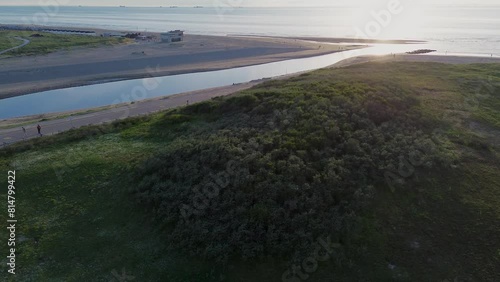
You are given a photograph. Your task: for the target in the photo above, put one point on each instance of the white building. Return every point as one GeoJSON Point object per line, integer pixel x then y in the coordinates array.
{"type": "Point", "coordinates": [70, 32]}
{"type": "Point", "coordinates": [172, 36]}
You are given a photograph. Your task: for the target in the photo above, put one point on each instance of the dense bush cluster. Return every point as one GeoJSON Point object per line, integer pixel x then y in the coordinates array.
{"type": "Point", "coordinates": [291, 160]}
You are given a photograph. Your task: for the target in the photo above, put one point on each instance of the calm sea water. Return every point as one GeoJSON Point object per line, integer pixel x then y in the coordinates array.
{"type": "Point", "coordinates": [452, 29]}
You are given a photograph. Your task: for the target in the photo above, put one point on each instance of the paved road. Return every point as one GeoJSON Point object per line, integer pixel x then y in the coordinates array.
{"type": "Point", "coordinates": [26, 42]}
{"type": "Point", "coordinates": [13, 135]}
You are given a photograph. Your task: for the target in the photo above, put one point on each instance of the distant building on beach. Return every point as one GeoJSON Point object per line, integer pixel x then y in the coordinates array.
{"type": "Point", "coordinates": [69, 31]}
{"type": "Point", "coordinates": [18, 27]}
{"type": "Point", "coordinates": [49, 30]}
{"type": "Point", "coordinates": [113, 34]}
{"type": "Point", "coordinates": [172, 36]}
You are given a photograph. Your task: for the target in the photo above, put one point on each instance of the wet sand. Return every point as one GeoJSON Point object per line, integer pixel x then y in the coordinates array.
{"type": "Point", "coordinates": [149, 105]}
{"type": "Point", "coordinates": [84, 66]}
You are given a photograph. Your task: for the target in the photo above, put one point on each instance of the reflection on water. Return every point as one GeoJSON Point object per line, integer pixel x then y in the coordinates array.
{"type": "Point", "coordinates": [92, 96]}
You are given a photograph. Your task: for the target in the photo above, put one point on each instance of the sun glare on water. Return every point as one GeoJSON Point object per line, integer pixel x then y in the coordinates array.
{"type": "Point", "coordinates": [392, 19]}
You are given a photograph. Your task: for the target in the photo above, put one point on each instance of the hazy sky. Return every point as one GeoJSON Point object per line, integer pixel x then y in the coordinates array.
{"type": "Point", "coordinates": [260, 3]}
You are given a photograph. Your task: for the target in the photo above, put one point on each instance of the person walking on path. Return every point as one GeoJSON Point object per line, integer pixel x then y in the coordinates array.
{"type": "Point", "coordinates": [39, 130]}
{"type": "Point", "coordinates": [24, 132]}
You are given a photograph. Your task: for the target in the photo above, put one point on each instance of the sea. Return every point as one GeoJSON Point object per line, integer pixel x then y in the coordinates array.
{"type": "Point", "coordinates": [448, 29]}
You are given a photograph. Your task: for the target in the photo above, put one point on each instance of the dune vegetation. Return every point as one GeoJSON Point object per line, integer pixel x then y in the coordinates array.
{"type": "Point", "coordinates": [44, 43]}
{"type": "Point", "coordinates": [373, 172]}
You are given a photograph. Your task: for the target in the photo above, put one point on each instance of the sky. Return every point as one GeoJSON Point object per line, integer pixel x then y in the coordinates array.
{"type": "Point", "coordinates": [243, 3]}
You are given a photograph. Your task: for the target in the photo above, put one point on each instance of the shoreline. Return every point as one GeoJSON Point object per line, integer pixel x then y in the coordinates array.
{"type": "Point", "coordinates": [12, 124]}
{"type": "Point", "coordinates": [343, 39]}
{"type": "Point", "coordinates": [26, 75]}
{"type": "Point", "coordinates": [102, 79]}
{"type": "Point", "coordinates": [9, 123]}
{"type": "Point", "coordinates": [305, 38]}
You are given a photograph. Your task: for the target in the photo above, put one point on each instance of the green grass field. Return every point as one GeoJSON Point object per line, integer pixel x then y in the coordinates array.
{"type": "Point", "coordinates": [8, 42]}
{"type": "Point", "coordinates": [49, 42]}
{"type": "Point", "coordinates": [87, 208]}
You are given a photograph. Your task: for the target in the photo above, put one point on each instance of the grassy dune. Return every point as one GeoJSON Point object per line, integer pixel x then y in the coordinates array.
{"type": "Point", "coordinates": [8, 42]}
{"type": "Point", "coordinates": [49, 42]}
{"type": "Point", "coordinates": [317, 155]}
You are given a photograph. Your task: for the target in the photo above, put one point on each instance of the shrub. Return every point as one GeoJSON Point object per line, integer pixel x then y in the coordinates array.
{"type": "Point", "coordinates": [267, 182]}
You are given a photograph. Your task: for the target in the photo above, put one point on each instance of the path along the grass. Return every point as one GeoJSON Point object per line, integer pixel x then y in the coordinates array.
{"type": "Point", "coordinates": [25, 42]}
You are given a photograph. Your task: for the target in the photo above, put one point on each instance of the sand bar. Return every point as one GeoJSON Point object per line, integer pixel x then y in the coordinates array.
{"type": "Point", "coordinates": [54, 123]}
{"type": "Point", "coordinates": [84, 66]}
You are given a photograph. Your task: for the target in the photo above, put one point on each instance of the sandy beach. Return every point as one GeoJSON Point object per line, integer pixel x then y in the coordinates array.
{"type": "Point", "coordinates": [84, 66]}
{"type": "Point", "coordinates": [160, 103]}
